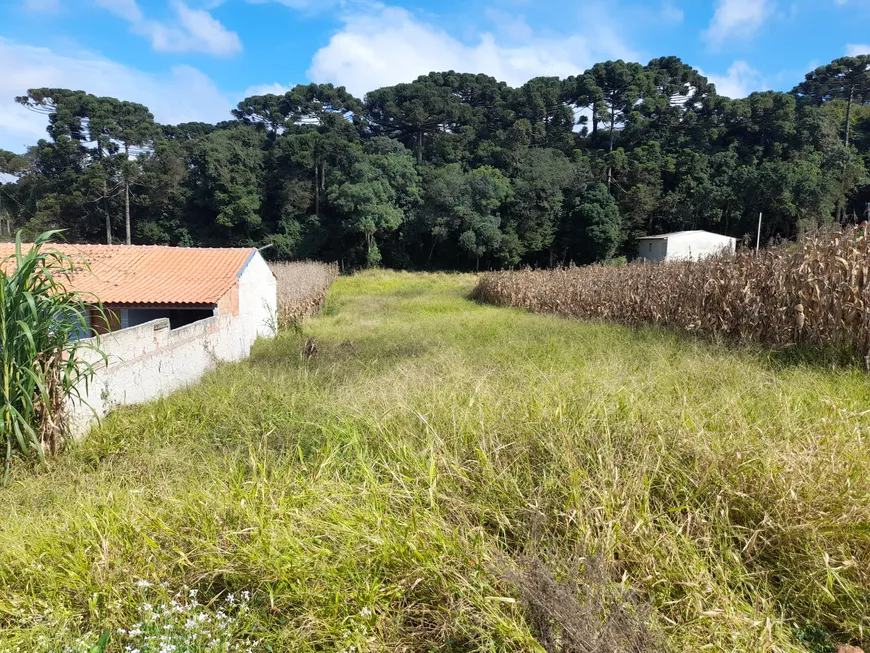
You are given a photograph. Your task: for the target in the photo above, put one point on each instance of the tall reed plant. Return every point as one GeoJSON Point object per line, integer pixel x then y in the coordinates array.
{"type": "Point", "coordinates": [41, 324]}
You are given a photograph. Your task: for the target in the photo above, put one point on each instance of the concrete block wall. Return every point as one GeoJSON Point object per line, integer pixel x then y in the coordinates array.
{"type": "Point", "coordinates": [150, 361]}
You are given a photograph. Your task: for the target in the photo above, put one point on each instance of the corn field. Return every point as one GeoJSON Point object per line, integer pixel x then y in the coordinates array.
{"type": "Point", "coordinates": [815, 295]}
{"type": "Point", "coordinates": [302, 288]}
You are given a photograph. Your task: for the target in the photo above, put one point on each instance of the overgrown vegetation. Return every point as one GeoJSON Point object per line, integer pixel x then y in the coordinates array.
{"type": "Point", "coordinates": [439, 467]}
{"type": "Point", "coordinates": [40, 323]}
{"type": "Point", "coordinates": [302, 288]}
{"type": "Point", "coordinates": [814, 295]}
{"type": "Point", "coordinates": [456, 170]}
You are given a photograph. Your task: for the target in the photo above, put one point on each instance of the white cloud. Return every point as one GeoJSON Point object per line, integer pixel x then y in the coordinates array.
{"type": "Point", "coordinates": [42, 6]}
{"type": "Point", "coordinates": [181, 94]}
{"type": "Point", "coordinates": [266, 89]}
{"type": "Point", "coordinates": [300, 4]}
{"type": "Point", "coordinates": [672, 13]}
{"type": "Point", "coordinates": [126, 9]}
{"type": "Point", "coordinates": [740, 80]}
{"type": "Point", "coordinates": [738, 19]}
{"type": "Point", "coordinates": [511, 26]}
{"type": "Point", "coordinates": [389, 45]}
{"type": "Point", "coordinates": [854, 49]}
{"type": "Point", "coordinates": [194, 30]}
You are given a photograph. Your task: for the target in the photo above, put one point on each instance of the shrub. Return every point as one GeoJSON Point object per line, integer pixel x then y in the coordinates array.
{"type": "Point", "coordinates": [587, 611]}
{"type": "Point", "coordinates": [816, 294]}
{"type": "Point", "coordinates": [40, 322]}
{"type": "Point", "coordinates": [302, 288]}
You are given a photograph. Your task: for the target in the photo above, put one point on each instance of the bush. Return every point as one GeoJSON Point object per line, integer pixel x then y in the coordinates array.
{"type": "Point", "coordinates": [40, 322]}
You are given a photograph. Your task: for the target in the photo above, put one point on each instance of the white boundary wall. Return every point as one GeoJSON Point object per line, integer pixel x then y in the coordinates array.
{"type": "Point", "coordinates": [150, 361]}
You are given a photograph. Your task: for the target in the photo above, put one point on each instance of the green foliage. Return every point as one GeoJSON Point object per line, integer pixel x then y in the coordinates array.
{"type": "Point", "coordinates": [40, 327]}
{"type": "Point", "coordinates": [374, 190]}
{"type": "Point", "coordinates": [373, 256]}
{"type": "Point", "coordinates": [595, 225]}
{"type": "Point", "coordinates": [319, 173]}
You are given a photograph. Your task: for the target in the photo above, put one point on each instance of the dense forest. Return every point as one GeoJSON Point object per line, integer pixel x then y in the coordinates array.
{"type": "Point", "coordinates": [455, 170]}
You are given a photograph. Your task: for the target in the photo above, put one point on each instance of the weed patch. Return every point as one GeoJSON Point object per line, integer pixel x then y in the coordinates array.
{"type": "Point", "coordinates": [394, 491]}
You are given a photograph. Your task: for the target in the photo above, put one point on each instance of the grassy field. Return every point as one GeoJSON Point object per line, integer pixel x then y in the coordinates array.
{"type": "Point", "coordinates": [444, 476]}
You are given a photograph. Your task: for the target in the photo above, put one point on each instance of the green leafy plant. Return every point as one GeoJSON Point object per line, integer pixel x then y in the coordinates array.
{"type": "Point", "coordinates": [41, 324]}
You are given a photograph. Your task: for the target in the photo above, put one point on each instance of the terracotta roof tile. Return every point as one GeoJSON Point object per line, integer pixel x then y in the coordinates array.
{"type": "Point", "coordinates": [146, 274]}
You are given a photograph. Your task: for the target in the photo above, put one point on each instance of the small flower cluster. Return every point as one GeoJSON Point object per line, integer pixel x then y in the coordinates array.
{"type": "Point", "coordinates": [166, 623]}
{"type": "Point", "coordinates": [183, 625]}
{"type": "Point", "coordinates": [356, 638]}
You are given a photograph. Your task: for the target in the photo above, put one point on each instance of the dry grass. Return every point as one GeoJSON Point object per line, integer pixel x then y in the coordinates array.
{"type": "Point", "coordinates": [817, 295]}
{"type": "Point", "coordinates": [438, 477]}
{"type": "Point", "coordinates": [587, 612]}
{"type": "Point", "coordinates": [302, 287]}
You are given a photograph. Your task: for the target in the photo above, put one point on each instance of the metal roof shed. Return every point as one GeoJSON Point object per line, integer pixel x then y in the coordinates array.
{"type": "Point", "coordinates": [684, 246]}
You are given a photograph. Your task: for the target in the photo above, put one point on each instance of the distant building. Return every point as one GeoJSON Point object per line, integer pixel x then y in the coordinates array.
{"type": "Point", "coordinates": [684, 246]}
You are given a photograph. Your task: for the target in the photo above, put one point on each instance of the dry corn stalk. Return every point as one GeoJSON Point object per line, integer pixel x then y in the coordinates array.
{"type": "Point", "coordinates": [302, 288]}
{"type": "Point", "coordinates": [815, 295]}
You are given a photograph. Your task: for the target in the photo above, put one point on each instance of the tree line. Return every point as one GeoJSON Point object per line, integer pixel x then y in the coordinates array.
{"type": "Point", "coordinates": [455, 170]}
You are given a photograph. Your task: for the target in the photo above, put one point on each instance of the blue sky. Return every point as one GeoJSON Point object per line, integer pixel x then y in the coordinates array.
{"type": "Point", "coordinates": [195, 59]}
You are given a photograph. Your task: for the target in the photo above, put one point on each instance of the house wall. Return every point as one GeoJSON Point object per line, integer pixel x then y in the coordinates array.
{"type": "Point", "coordinates": [229, 303]}
{"type": "Point", "coordinates": [258, 298]}
{"type": "Point", "coordinates": [151, 360]}
{"type": "Point", "coordinates": [696, 246]}
{"type": "Point", "coordinates": [652, 249]}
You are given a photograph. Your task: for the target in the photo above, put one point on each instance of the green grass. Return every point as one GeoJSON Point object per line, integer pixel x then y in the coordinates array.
{"type": "Point", "coordinates": [430, 448]}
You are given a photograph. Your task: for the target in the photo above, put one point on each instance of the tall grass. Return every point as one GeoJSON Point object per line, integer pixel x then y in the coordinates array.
{"type": "Point", "coordinates": [302, 287]}
{"type": "Point", "coordinates": [39, 327]}
{"type": "Point", "coordinates": [816, 295]}
{"type": "Point", "coordinates": [455, 477]}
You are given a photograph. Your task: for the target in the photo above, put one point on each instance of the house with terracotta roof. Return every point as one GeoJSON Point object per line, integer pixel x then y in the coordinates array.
{"type": "Point", "coordinates": [172, 314]}
{"type": "Point", "coordinates": [141, 283]}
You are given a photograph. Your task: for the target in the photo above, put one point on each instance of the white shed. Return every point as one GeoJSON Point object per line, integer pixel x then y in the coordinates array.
{"type": "Point", "coordinates": [684, 246]}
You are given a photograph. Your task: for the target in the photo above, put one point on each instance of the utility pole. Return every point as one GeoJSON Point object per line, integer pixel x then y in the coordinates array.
{"type": "Point", "coordinates": [758, 238]}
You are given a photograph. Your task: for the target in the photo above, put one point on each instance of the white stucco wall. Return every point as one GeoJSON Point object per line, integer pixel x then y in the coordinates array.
{"type": "Point", "coordinates": [258, 298]}
{"type": "Point", "coordinates": [698, 245]}
{"type": "Point", "coordinates": [149, 361]}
